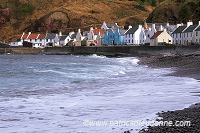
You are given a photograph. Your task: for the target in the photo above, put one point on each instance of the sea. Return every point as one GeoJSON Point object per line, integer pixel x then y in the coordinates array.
{"type": "Point", "coordinates": [86, 94]}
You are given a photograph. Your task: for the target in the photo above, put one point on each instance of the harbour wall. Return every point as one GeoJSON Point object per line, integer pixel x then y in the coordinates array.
{"type": "Point", "coordinates": [105, 50]}
{"type": "Point", "coordinates": [123, 50]}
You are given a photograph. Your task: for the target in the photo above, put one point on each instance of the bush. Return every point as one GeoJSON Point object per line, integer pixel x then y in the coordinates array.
{"type": "Point", "coordinates": [25, 9]}
{"type": "Point", "coordinates": [94, 12]}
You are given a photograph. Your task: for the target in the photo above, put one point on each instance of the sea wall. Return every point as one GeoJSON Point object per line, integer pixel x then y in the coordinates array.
{"type": "Point", "coordinates": [105, 50]}
{"type": "Point", "coordinates": [21, 50]}
{"type": "Point", "coordinates": [120, 50]}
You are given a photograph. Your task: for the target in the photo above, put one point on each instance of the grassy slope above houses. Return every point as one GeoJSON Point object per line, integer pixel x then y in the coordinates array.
{"type": "Point", "coordinates": [53, 15]}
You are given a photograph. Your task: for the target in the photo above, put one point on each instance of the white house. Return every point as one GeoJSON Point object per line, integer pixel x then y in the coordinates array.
{"type": "Point", "coordinates": [97, 35]}
{"type": "Point", "coordinates": [64, 40]}
{"type": "Point", "coordinates": [37, 40]}
{"type": "Point", "coordinates": [196, 38]}
{"type": "Point", "coordinates": [91, 35]}
{"type": "Point", "coordinates": [15, 44]}
{"type": "Point", "coordinates": [161, 38]}
{"type": "Point", "coordinates": [79, 36]}
{"type": "Point", "coordinates": [109, 26]}
{"type": "Point", "coordinates": [142, 37]}
{"type": "Point", "coordinates": [150, 32]}
{"type": "Point", "coordinates": [187, 34]}
{"type": "Point", "coordinates": [52, 40]}
{"type": "Point", "coordinates": [132, 35]}
{"type": "Point", "coordinates": [177, 35]}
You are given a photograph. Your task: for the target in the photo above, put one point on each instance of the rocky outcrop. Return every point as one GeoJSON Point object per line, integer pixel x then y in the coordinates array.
{"type": "Point", "coordinates": [51, 22]}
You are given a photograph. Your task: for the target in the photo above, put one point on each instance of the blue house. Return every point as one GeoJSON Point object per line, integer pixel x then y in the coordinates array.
{"type": "Point", "coordinates": [114, 38]}
{"type": "Point", "coordinates": [119, 37]}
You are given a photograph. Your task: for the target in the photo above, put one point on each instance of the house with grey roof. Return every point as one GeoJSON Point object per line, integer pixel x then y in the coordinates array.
{"type": "Point", "coordinates": [196, 37]}
{"type": "Point", "coordinates": [132, 35]}
{"type": "Point", "coordinates": [64, 40]}
{"type": "Point", "coordinates": [52, 40]}
{"type": "Point", "coordinates": [187, 35]}
{"type": "Point", "coordinates": [177, 35]}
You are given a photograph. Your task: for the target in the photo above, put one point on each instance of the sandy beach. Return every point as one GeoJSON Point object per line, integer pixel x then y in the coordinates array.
{"type": "Point", "coordinates": [186, 65]}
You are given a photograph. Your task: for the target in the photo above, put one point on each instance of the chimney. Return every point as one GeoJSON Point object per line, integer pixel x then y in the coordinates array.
{"type": "Point", "coordinates": [145, 24]}
{"type": "Point", "coordinates": [29, 33]}
{"type": "Point", "coordinates": [91, 29]}
{"type": "Point", "coordinates": [129, 27]}
{"type": "Point", "coordinates": [189, 23]}
{"type": "Point", "coordinates": [60, 33]}
{"type": "Point", "coordinates": [199, 22]}
{"type": "Point", "coordinates": [79, 30]}
{"type": "Point", "coordinates": [165, 30]}
{"type": "Point", "coordinates": [140, 27]}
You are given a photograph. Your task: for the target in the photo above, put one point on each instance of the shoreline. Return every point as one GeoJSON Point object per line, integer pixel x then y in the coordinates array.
{"type": "Point", "coordinates": [185, 65]}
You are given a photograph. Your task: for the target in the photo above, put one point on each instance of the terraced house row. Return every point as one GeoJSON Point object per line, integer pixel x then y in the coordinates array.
{"type": "Point", "coordinates": [152, 34]}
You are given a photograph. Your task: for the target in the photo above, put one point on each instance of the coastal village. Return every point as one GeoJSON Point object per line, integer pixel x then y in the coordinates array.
{"type": "Point", "coordinates": [150, 34]}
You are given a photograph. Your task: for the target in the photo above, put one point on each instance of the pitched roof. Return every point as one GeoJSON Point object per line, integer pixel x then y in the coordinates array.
{"type": "Point", "coordinates": [179, 29]}
{"type": "Point", "coordinates": [33, 36]}
{"type": "Point", "coordinates": [41, 36]}
{"type": "Point", "coordinates": [50, 36]}
{"type": "Point", "coordinates": [198, 29]}
{"type": "Point", "coordinates": [111, 25]}
{"type": "Point", "coordinates": [156, 34]}
{"type": "Point", "coordinates": [96, 31]}
{"type": "Point", "coordinates": [24, 36]}
{"type": "Point", "coordinates": [62, 38]}
{"type": "Point", "coordinates": [132, 30]}
{"type": "Point", "coordinates": [190, 28]}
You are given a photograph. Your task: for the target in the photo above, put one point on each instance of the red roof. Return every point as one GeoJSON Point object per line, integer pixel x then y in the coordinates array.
{"type": "Point", "coordinates": [24, 36]}
{"type": "Point", "coordinates": [156, 34]}
{"type": "Point", "coordinates": [96, 31]}
{"type": "Point", "coordinates": [41, 36]}
{"type": "Point", "coordinates": [33, 36]}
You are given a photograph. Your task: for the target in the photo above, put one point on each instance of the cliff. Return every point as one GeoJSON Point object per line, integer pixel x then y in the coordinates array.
{"type": "Point", "coordinates": [17, 16]}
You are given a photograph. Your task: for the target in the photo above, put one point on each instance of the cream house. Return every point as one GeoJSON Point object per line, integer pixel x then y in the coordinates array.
{"type": "Point", "coordinates": [160, 38]}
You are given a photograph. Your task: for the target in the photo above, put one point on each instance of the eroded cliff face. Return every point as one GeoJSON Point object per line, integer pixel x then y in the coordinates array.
{"type": "Point", "coordinates": [55, 21]}
{"type": "Point", "coordinates": [54, 15]}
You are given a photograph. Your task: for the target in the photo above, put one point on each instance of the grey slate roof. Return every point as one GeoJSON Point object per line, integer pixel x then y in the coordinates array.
{"type": "Point", "coordinates": [50, 36]}
{"type": "Point", "coordinates": [179, 29]}
{"type": "Point", "coordinates": [111, 25]}
{"type": "Point", "coordinates": [190, 28]}
{"type": "Point", "coordinates": [158, 24]}
{"type": "Point", "coordinates": [131, 30]}
{"type": "Point", "coordinates": [198, 29]}
{"type": "Point", "coordinates": [62, 38]}
{"type": "Point", "coordinates": [73, 36]}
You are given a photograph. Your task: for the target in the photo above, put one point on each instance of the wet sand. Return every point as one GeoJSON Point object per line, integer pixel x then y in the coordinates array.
{"type": "Point", "coordinates": [187, 65]}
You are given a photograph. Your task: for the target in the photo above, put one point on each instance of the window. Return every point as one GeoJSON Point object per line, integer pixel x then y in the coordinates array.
{"type": "Point", "coordinates": [40, 40]}
{"type": "Point", "coordinates": [30, 39]}
{"type": "Point", "coordinates": [35, 40]}
{"type": "Point", "coordinates": [197, 33]}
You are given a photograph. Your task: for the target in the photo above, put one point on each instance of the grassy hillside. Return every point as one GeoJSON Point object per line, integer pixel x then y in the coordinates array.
{"type": "Point", "coordinates": [54, 15]}
{"type": "Point", "coordinates": [176, 11]}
